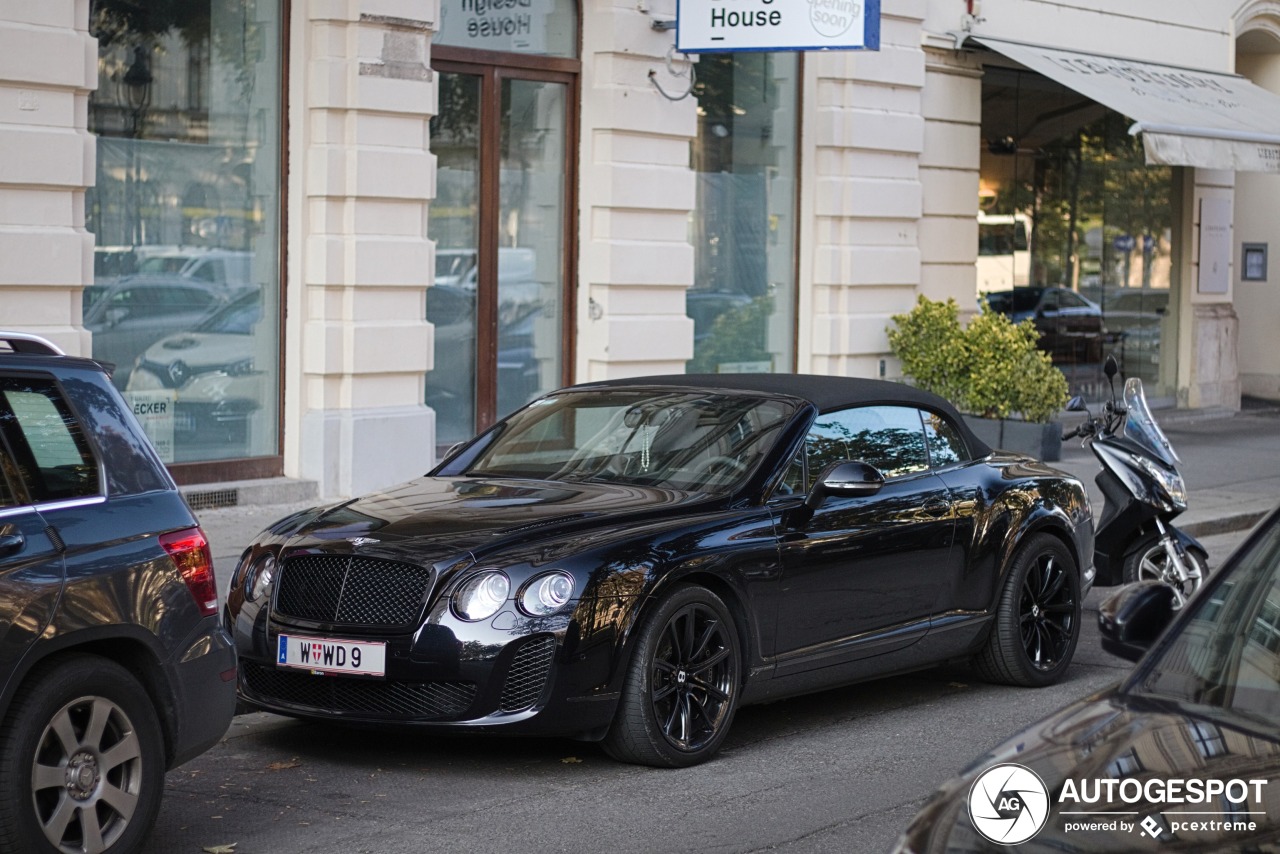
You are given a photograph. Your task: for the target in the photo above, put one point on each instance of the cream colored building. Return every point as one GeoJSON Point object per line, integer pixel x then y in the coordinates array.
{"type": "Point", "coordinates": [428, 218]}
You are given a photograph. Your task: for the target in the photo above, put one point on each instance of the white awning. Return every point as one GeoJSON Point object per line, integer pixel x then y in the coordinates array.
{"type": "Point", "coordinates": [1187, 117]}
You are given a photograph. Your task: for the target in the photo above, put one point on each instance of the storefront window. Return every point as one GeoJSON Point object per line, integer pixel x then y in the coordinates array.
{"type": "Point", "coordinates": [1075, 231]}
{"type": "Point", "coordinates": [185, 214]}
{"type": "Point", "coordinates": [743, 297]}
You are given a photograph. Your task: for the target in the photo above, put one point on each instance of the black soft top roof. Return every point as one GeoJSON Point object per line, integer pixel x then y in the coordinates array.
{"type": "Point", "coordinates": [825, 393]}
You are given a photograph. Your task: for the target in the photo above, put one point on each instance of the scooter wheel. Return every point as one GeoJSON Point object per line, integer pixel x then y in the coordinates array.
{"type": "Point", "coordinates": [1147, 560]}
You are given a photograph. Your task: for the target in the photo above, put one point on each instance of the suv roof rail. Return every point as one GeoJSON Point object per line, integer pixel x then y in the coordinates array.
{"type": "Point", "coordinates": [25, 342]}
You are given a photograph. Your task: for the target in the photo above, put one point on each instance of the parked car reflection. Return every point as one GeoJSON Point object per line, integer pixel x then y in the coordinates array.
{"type": "Point", "coordinates": [213, 375]}
{"type": "Point", "coordinates": [1070, 326]}
{"type": "Point", "coordinates": [128, 316]}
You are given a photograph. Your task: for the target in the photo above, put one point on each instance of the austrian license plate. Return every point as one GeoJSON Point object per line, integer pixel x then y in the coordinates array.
{"type": "Point", "coordinates": [330, 655]}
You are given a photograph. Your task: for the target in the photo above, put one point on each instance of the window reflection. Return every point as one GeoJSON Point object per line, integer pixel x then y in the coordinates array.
{"type": "Point", "coordinates": [184, 211]}
{"type": "Point", "coordinates": [743, 294]}
{"type": "Point", "coordinates": [1070, 211]}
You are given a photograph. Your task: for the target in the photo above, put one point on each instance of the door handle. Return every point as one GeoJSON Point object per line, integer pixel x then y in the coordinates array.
{"type": "Point", "coordinates": [11, 543]}
{"type": "Point", "coordinates": [936, 507]}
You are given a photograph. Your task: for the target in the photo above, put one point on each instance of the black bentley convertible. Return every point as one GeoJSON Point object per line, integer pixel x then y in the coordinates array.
{"type": "Point", "coordinates": [631, 561]}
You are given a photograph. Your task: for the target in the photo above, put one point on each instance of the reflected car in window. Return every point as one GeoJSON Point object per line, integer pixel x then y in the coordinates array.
{"type": "Point", "coordinates": [1173, 751]}
{"type": "Point", "coordinates": [1070, 326]}
{"type": "Point", "coordinates": [129, 315]}
{"type": "Point", "coordinates": [632, 561]}
{"type": "Point", "coordinates": [211, 373]}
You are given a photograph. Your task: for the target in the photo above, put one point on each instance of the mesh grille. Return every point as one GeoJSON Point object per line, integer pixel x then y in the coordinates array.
{"type": "Point", "coordinates": [417, 700]}
{"type": "Point", "coordinates": [528, 674]}
{"type": "Point", "coordinates": [352, 590]}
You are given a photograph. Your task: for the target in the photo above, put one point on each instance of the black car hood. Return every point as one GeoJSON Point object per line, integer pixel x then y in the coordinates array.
{"type": "Point", "coordinates": [1115, 736]}
{"type": "Point", "coordinates": [469, 514]}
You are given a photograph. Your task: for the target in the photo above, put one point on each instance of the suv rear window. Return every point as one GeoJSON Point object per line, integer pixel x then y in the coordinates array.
{"type": "Point", "coordinates": [52, 456]}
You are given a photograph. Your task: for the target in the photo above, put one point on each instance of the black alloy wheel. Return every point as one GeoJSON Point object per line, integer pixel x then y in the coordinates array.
{"type": "Point", "coordinates": [1037, 622]}
{"type": "Point", "coordinates": [81, 761]}
{"type": "Point", "coordinates": [682, 685]}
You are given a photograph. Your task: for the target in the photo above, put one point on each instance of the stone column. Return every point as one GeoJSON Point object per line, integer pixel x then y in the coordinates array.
{"type": "Point", "coordinates": [861, 196]}
{"type": "Point", "coordinates": [360, 260]}
{"type": "Point", "coordinates": [636, 193]}
{"type": "Point", "coordinates": [48, 66]}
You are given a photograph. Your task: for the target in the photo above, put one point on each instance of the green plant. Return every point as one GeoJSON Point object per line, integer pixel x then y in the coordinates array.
{"type": "Point", "coordinates": [992, 368]}
{"type": "Point", "coordinates": [931, 345]}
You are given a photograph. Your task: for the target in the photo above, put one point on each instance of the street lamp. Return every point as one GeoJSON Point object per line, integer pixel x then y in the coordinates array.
{"type": "Point", "coordinates": [137, 81]}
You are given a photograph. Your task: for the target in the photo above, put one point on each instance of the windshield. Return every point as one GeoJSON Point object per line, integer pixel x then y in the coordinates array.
{"type": "Point", "coordinates": [1227, 654]}
{"type": "Point", "coordinates": [686, 440]}
{"type": "Point", "coordinates": [1140, 425]}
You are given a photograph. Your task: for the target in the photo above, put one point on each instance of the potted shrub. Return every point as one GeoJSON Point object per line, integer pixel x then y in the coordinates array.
{"type": "Point", "coordinates": [992, 370]}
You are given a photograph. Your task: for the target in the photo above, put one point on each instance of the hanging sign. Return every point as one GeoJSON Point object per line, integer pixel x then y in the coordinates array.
{"type": "Point", "coordinates": [707, 26]}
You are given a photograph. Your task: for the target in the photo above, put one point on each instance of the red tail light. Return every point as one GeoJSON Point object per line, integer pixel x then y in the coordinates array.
{"type": "Point", "coordinates": [190, 552]}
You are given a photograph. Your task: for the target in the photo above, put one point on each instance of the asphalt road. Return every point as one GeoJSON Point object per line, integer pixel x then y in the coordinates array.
{"type": "Point", "coordinates": [843, 770]}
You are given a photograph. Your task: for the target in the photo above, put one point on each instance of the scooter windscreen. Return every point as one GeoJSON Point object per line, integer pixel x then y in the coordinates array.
{"type": "Point", "coordinates": [1140, 425]}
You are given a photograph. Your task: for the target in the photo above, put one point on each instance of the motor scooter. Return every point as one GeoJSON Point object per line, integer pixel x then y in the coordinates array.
{"type": "Point", "coordinates": [1143, 491]}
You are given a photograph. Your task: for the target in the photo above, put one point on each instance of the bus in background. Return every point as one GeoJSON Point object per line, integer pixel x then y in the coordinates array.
{"type": "Point", "coordinates": [1004, 251]}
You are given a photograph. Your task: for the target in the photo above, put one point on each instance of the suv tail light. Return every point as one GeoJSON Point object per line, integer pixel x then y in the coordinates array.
{"type": "Point", "coordinates": [190, 552]}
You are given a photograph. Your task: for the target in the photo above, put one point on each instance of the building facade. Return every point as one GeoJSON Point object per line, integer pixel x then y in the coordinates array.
{"type": "Point", "coordinates": [329, 238]}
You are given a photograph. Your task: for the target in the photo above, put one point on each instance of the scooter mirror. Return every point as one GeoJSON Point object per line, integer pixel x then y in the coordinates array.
{"type": "Point", "coordinates": [1110, 368]}
{"type": "Point", "coordinates": [1077, 404]}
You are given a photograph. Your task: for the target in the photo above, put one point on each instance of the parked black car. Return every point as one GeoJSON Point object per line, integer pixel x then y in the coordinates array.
{"type": "Point", "coordinates": [113, 664]}
{"type": "Point", "coordinates": [1182, 755]}
{"type": "Point", "coordinates": [633, 560]}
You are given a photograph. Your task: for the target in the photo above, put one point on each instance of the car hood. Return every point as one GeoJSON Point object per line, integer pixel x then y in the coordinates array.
{"type": "Point", "coordinates": [1115, 736]}
{"type": "Point", "coordinates": [477, 515]}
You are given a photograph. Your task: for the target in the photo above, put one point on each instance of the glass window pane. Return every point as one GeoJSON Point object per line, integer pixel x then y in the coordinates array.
{"type": "Point", "coordinates": [53, 457]}
{"type": "Point", "coordinates": [742, 301]}
{"type": "Point", "coordinates": [185, 212]}
{"type": "Point", "coordinates": [454, 215]}
{"type": "Point", "coordinates": [945, 443]}
{"type": "Point", "coordinates": [530, 241]}
{"type": "Point", "coordinates": [1099, 225]}
{"type": "Point", "coordinates": [890, 438]}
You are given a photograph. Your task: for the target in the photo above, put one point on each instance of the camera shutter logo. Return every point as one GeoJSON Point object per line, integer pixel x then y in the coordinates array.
{"type": "Point", "coordinates": [1008, 804]}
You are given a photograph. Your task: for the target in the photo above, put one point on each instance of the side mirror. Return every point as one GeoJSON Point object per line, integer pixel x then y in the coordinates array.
{"type": "Point", "coordinates": [1133, 617]}
{"type": "Point", "coordinates": [113, 316]}
{"type": "Point", "coordinates": [1077, 404]}
{"type": "Point", "coordinates": [846, 480]}
{"type": "Point", "coordinates": [1111, 367]}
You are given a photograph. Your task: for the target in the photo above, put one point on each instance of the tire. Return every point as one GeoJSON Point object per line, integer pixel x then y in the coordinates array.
{"type": "Point", "coordinates": [92, 728]}
{"type": "Point", "coordinates": [1037, 621]}
{"type": "Point", "coordinates": [1146, 560]}
{"type": "Point", "coordinates": [682, 686]}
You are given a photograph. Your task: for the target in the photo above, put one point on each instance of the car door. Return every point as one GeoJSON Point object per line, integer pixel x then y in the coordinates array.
{"type": "Point", "coordinates": [863, 575]}
{"type": "Point", "coordinates": [31, 564]}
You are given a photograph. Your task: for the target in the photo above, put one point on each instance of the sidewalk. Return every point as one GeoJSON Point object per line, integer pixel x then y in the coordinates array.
{"type": "Point", "coordinates": [1231, 463]}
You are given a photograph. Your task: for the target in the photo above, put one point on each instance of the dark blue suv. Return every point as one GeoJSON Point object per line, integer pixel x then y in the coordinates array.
{"type": "Point", "coordinates": [113, 664]}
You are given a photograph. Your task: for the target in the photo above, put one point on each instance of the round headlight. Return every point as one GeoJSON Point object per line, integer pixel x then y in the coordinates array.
{"type": "Point", "coordinates": [259, 577]}
{"type": "Point", "coordinates": [481, 596]}
{"type": "Point", "coordinates": [547, 594]}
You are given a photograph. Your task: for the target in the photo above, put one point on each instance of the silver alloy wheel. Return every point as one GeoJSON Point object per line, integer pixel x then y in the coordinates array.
{"type": "Point", "coordinates": [1154, 565]}
{"type": "Point", "coordinates": [86, 775]}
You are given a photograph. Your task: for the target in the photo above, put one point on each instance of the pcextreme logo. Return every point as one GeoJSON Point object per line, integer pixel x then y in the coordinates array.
{"type": "Point", "coordinates": [1009, 804]}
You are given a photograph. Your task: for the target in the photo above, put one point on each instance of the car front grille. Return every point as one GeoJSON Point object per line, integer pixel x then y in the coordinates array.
{"type": "Point", "coordinates": [528, 674]}
{"type": "Point", "coordinates": [398, 700]}
{"type": "Point", "coordinates": [352, 590]}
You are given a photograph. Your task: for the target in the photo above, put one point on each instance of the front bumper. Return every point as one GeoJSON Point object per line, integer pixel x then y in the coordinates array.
{"type": "Point", "coordinates": [510, 674]}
